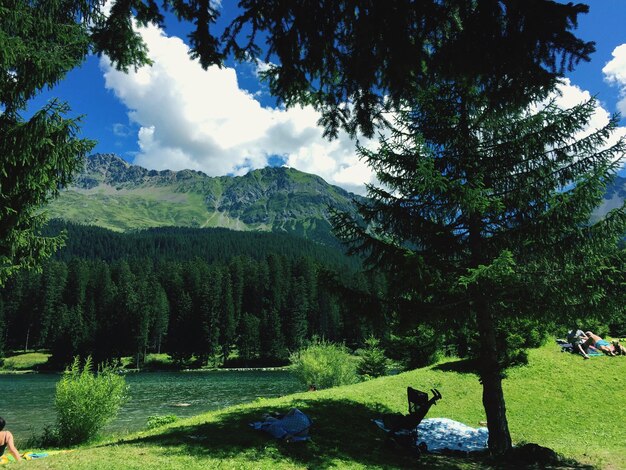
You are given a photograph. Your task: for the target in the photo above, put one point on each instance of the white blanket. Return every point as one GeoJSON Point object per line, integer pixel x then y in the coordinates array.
{"type": "Point", "coordinates": [443, 433]}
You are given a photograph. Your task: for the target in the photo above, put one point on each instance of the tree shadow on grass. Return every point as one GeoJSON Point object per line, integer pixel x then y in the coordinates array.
{"type": "Point", "coordinates": [342, 431]}
{"type": "Point", "coordinates": [462, 366]}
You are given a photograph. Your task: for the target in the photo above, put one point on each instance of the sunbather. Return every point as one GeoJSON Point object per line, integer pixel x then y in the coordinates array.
{"type": "Point", "coordinates": [600, 344]}
{"type": "Point", "coordinates": [6, 441]}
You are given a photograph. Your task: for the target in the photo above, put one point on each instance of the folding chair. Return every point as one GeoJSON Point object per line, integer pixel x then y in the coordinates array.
{"type": "Point", "coordinates": [402, 429]}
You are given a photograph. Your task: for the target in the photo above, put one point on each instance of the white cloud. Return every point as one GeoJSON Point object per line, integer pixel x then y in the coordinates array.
{"type": "Point", "coordinates": [121, 130]}
{"type": "Point", "coordinates": [571, 95]}
{"type": "Point", "coordinates": [615, 73]}
{"type": "Point", "coordinates": [202, 120]}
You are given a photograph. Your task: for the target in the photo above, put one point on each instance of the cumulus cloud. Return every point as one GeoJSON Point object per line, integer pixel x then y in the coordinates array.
{"type": "Point", "coordinates": [615, 73]}
{"type": "Point", "coordinates": [203, 120]}
{"type": "Point", "coordinates": [190, 118]}
{"type": "Point", "coordinates": [570, 95]}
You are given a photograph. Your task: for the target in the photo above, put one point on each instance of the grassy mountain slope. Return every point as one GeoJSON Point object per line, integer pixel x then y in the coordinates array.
{"type": "Point", "coordinates": [113, 194]}
{"type": "Point", "coordinates": [559, 401]}
{"type": "Point", "coordinates": [614, 197]}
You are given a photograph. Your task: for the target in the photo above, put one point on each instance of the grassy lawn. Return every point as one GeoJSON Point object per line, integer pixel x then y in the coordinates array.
{"type": "Point", "coordinates": [560, 401]}
{"type": "Point", "coordinates": [24, 361]}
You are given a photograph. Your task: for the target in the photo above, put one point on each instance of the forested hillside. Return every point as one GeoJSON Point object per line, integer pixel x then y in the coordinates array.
{"type": "Point", "coordinates": [192, 293]}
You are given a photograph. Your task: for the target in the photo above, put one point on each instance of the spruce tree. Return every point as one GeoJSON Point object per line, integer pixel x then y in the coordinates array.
{"type": "Point", "coordinates": [482, 218]}
{"type": "Point", "coordinates": [249, 340]}
{"type": "Point", "coordinates": [41, 42]}
{"type": "Point", "coordinates": [228, 327]}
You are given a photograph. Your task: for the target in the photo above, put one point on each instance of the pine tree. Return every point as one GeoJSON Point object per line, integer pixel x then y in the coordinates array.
{"type": "Point", "coordinates": [271, 341]}
{"type": "Point", "coordinates": [103, 292]}
{"type": "Point", "coordinates": [180, 346]}
{"type": "Point", "coordinates": [160, 312]}
{"type": "Point", "coordinates": [54, 278]}
{"type": "Point", "coordinates": [227, 316]}
{"type": "Point", "coordinates": [295, 327]}
{"type": "Point", "coordinates": [482, 218]}
{"type": "Point", "coordinates": [249, 343]}
{"type": "Point", "coordinates": [38, 154]}
{"type": "Point", "coordinates": [210, 300]}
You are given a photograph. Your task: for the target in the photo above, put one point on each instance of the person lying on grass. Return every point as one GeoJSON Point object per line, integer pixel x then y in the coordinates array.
{"type": "Point", "coordinates": [610, 349]}
{"type": "Point", "coordinates": [578, 340]}
{"type": "Point", "coordinates": [6, 441]}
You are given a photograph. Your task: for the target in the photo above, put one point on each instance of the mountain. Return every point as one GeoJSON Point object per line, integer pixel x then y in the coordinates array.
{"type": "Point", "coordinates": [111, 193]}
{"type": "Point", "coordinates": [613, 198]}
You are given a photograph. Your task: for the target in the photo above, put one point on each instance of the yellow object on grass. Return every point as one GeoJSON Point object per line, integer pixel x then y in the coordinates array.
{"type": "Point", "coordinates": [4, 459]}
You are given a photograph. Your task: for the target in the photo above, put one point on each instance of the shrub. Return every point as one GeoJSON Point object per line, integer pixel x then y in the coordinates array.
{"type": "Point", "coordinates": [373, 362]}
{"type": "Point", "coordinates": [86, 401]}
{"type": "Point", "coordinates": [324, 364]}
{"type": "Point", "coordinates": [158, 421]}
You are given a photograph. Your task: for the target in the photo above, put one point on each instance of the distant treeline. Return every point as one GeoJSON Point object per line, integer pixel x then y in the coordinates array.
{"type": "Point", "coordinates": [183, 243]}
{"type": "Point", "coordinates": [190, 293]}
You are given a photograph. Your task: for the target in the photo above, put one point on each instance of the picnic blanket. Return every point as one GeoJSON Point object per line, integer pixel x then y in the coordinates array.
{"type": "Point", "coordinates": [4, 459]}
{"type": "Point", "coordinates": [293, 426]}
{"type": "Point", "coordinates": [568, 347]}
{"type": "Point", "coordinates": [441, 434]}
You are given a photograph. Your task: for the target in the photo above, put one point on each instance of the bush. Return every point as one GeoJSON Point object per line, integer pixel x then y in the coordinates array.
{"type": "Point", "coordinates": [158, 421]}
{"type": "Point", "coordinates": [373, 362]}
{"type": "Point", "coordinates": [324, 365]}
{"type": "Point", "coordinates": [85, 402]}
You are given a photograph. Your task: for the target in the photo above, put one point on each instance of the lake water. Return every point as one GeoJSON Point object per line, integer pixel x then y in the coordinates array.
{"type": "Point", "coordinates": [27, 401]}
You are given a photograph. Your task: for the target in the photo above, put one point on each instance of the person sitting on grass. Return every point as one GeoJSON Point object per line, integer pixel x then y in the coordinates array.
{"type": "Point", "coordinates": [6, 440]}
{"type": "Point", "coordinates": [600, 344]}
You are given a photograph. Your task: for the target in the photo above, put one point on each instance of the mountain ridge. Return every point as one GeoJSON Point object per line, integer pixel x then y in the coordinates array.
{"type": "Point", "coordinates": [112, 193]}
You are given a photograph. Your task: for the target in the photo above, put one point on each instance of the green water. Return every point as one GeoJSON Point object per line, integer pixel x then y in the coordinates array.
{"type": "Point", "coordinates": [26, 401]}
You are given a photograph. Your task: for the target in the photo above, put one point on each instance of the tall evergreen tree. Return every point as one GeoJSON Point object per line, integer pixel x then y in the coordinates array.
{"type": "Point", "coordinates": [103, 292]}
{"type": "Point", "coordinates": [272, 342]}
{"type": "Point", "coordinates": [295, 326]}
{"type": "Point", "coordinates": [54, 278]}
{"type": "Point", "coordinates": [39, 154]}
{"type": "Point", "coordinates": [160, 312]}
{"type": "Point", "coordinates": [227, 316]}
{"type": "Point", "coordinates": [180, 335]}
{"type": "Point", "coordinates": [249, 340]}
{"type": "Point", "coordinates": [125, 309]}
{"type": "Point", "coordinates": [482, 218]}
{"type": "Point", "coordinates": [210, 300]}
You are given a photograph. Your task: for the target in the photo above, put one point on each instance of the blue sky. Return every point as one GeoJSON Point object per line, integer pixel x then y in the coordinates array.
{"type": "Point", "coordinates": [175, 115]}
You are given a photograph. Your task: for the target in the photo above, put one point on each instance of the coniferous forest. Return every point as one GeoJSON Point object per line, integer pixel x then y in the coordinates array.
{"type": "Point", "coordinates": [204, 295]}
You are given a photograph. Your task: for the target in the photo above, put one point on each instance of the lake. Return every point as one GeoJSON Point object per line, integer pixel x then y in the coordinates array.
{"type": "Point", "coordinates": [27, 401]}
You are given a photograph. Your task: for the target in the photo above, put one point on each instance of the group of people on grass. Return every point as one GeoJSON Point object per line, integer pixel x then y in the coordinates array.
{"type": "Point", "coordinates": [585, 341]}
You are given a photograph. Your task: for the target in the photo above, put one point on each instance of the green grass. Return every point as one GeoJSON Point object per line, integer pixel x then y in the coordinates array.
{"type": "Point", "coordinates": [25, 361]}
{"type": "Point", "coordinates": [142, 208]}
{"type": "Point", "coordinates": [560, 401]}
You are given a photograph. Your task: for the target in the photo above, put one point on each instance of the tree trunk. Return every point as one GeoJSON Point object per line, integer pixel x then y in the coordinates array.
{"type": "Point", "coordinates": [489, 367]}
{"type": "Point", "coordinates": [27, 337]}
{"type": "Point", "coordinates": [491, 379]}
